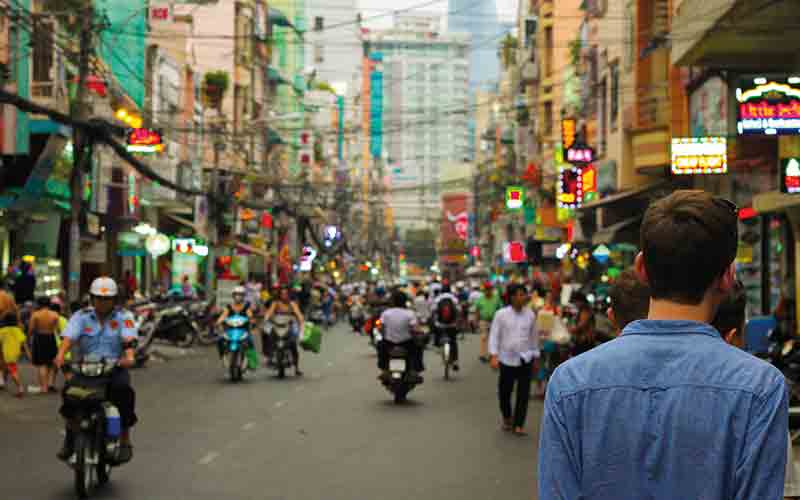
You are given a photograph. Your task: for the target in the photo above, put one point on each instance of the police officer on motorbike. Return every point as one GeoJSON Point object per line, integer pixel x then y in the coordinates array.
{"type": "Point", "coordinates": [109, 332]}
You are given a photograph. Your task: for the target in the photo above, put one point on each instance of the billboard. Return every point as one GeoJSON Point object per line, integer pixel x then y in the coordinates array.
{"type": "Point", "coordinates": [454, 227]}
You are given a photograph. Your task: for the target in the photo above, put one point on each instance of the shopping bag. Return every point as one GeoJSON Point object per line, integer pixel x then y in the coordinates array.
{"type": "Point", "coordinates": [252, 358]}
{"type": "Point", "coordinates": [312, 338]}
{"type": "Point", "coordinates": [559, 334]}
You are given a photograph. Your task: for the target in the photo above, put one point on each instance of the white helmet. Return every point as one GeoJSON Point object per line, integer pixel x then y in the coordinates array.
{"type": "Point", "coordinates": [103, 287]}
{"type": "Point", "coordinates": [238, 293]}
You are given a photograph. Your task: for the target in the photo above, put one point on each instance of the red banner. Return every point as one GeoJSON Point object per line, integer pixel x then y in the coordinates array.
{"type": "Point", "coordinates": [455, 227]}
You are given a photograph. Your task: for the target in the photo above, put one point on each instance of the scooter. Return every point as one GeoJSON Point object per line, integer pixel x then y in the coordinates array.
{"type": "Point", "coordinates": [235, 341]}
{"type": "Point", "coordinates": [357, 317]}
{"type": "Point", "coordinates": [400, 379]}
{"type": "Point", "coordinates": [97, 424]}
{"type": "Point", "coordinates": [172, 323]}
{"type": "Point", "coordinates": [282, 343]}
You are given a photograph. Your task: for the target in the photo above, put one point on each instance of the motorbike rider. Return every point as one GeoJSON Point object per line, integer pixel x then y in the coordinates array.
{"type": "Point", "coordinates": [239, 306]}
{"type": "Point", "coordinates": [399, 325]}
{"type": "Point", "coordinates": [109, 332]}
{"type": "Point", "coordinates": [285, 306]}
{"type": "Point", "coordinates": [446, 326]}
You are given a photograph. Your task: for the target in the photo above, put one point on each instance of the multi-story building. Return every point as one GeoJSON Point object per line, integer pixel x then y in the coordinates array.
{"type": "Point", "coordinates": [333, 48]}
{"type": "Point", "coordinates": [425, 98]}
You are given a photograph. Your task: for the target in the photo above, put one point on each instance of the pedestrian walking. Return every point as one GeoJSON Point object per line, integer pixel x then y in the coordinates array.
{"type": "Point", "coordinates": [669, 410]}
{"type": "Point", "coordinates": [9, 313]}
{"type": "Point", "coordinates": [43, 329]}
{"type": "Point", "coordinates": [486, 306]}
{"type": "Point", "coordinates": [513, 345]}
{"type": "Point", "coordinates": [12, 343]}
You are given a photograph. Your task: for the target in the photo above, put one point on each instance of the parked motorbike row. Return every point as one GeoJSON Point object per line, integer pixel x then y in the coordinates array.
{"type": "Point", "coordinates": [175, 320]}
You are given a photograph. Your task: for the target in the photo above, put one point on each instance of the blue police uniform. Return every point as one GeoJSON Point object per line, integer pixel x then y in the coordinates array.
{"type": "Point", "coordinates": [106, 339]}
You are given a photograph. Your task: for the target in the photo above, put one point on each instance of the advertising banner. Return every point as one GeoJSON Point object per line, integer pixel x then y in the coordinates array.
{"type": "Point", "coordinates": [454, 227]}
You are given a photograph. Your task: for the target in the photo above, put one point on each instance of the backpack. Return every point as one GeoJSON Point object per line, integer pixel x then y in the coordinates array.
{"type": "Point", "coordinates": [446, 311]}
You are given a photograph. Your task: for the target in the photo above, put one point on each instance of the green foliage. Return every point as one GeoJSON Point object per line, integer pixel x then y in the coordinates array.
{"type": "Point", "coordinates": [508, 50]}
{"type": "Point", "coordinates": [575, 47]}
{"type": "Point", "coordinates": [324, 86]}
{"type": "Point", "coordinates": [218, 80]}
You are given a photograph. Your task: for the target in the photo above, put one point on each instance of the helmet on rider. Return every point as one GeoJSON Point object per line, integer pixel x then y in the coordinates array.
{"type": "Point", "coordinates": [103, 287]}
{"type": "Point", "coordinates": [238, 294]}
{"type": "Point", "coordinates": [103, 291]}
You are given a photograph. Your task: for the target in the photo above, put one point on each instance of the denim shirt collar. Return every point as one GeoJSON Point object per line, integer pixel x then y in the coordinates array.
{"type": "Point", "coordinates": [669, 327]}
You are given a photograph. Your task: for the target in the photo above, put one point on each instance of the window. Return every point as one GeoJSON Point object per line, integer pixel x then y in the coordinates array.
{"type": "Point", "coordinates": [42, 41]}
{"type": "Point", "coordinates": [319, 23]}
{"type": "Point", "coordinates": [547, 128]}
{"type": "Point", "coordinates": [603, 118]}
{"type": "Point", "coordinates": [614, 71]}
{"type": "Point", "coordinates": [548, 55]}
{"type": "Point", "coordinates": [629, 37]}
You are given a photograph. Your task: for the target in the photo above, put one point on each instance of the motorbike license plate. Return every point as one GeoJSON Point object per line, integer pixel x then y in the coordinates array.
{"type": "Point", "coordinates": [397, 365]}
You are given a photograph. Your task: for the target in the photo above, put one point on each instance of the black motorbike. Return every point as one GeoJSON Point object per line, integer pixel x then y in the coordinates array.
{"type": "Point", "coordinates": [97, 425]}
{"type": "Point", "coordinates": [784, 354]}
{"type": "Point", "coordinates": [170, 322]}
{"type": "Point", "coordinates": [279, 329]}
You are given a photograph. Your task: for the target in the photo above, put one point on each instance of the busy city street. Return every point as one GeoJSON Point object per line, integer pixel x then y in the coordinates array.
{"type": "Point", "coordinates": [334, 433]}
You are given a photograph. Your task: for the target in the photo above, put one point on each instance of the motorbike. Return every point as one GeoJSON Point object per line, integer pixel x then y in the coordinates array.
{"type": "Point", "coordinates": [97, 423]}
{"type": "Point", "coordinates": [357, 317]}
{"type": "Point", "coordinates": [400, 380]}
{"type": "Point", "coordinates": [447, 351]}
{"type": "Point", "coordinates": [784, 354]}
{"type": "Point", "coordinates": [318, 317]}
{"type": "Point", "coordinates": [235, 341]}
{"type": "Point", "coordinates": [172, 323]}
{"type": "Point", "coordinates": [282, 341]}
{"type": "Point", "coordinates": [204, 316]}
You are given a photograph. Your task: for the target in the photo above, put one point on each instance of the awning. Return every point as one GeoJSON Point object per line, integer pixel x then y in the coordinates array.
{"type": "Point", "coordinates": [775, 201]}
{"type": "Point", "coordinates": [622, 195]}
{"type": "Point", "coordinates": [621, 232]}
{"type": "Point", "coordinates": [252, 249]}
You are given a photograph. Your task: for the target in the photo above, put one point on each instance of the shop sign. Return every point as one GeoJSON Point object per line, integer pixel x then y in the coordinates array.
{"type": "Point", "coordinates": [601, 254]}
{"type": "Point", "coordinates": [569, 128]}
{"type": "Point", "coordinates": [708, 108]}
{"type": "Point", "coordinates": [699, 155]}
{"type": "Point", "coordinates": [145, 141]}
{"type": "Point", "coordinates": [307, 259]}
{"type": "Point", "coordinates": [790, 175]}
{"type": "Point", "coordinates": [515, 197]}
{"type": "Point", "coordinates": [768, 106]}
{"type": "Point", "coordinates": [589, 182]}
{"type": "Point", "coordinates": [183, 245]}
{"type": "Point", "coordinates": [580, 154]}
{"type": "Point", "coordinates": [160, 13]}
{"type": "Point", "coordinates": [157, 244]}
{"type": "Point", "coordinates": [570, 187]}
{"type": "Point", "coordinates": [514, 252]}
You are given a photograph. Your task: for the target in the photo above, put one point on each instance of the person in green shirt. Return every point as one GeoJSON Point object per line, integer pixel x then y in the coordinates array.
{"type": "Point", "coordinates": [485, 308]}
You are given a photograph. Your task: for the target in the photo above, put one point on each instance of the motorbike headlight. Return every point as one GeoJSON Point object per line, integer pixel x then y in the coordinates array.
{"type": "Point", "coordinates": [92, 369]}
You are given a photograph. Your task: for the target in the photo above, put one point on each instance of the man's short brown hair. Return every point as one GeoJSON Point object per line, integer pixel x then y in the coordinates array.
{"type": "Point", "coordinates": [630, 298]}
{"type": "Point", "coordinates": [688, 240]}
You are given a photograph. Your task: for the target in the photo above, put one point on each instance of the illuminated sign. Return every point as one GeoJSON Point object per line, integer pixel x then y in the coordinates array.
{"type": "Point", "coordinates": [768, 106]}
{"type": "Point", "coordinates": [157, 244]}
{"type": "Point", "coordinates": [580, 154]}
{"type": "Point", "coordinates": [589, 182]}
{"type": "Point", "coordinates": [570, 187]}
{"type": "Point", "coordinates": [183, 245]}
{"type": "Point", "coordinates": [145, 140]}
{"type": "Point", "coordinates": [569, 128]}
{"type": "Point", "coordinates": [790, 175]}
{"type": "Point", "coordinates": [307, 259]}
{"type": "Point", "coordinates": [514, 252]}
{"type": "Point", "coordinates": [515, 197]}
{"type": "Point", "coordinates": [699, 155]}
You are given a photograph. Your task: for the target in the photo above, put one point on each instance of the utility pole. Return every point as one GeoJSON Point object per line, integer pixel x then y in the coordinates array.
{"type": "Point", "coordinates": [215, 210]}
{"type": "Point", "coordinates": [81, 154]}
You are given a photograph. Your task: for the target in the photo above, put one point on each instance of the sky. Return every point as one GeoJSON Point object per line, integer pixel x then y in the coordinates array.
{"type": "Point", "coordinates": [507, 9]}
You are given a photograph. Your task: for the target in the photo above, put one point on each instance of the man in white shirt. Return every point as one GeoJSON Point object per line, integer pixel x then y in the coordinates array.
{"type": "Point", "coordinates": [399, 325]}
{"type": "Point", "coordinates": [446, 326]}
{"type": "Point", "coordinates": [513, 344]}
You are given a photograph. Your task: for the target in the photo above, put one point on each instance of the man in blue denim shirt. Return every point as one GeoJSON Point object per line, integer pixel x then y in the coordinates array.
{"type": "Point", "coordinates": [669, 410]}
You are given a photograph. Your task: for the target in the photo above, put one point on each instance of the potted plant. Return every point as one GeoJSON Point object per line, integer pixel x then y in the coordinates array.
{"type": "Point", "coordinates": [215, 84]}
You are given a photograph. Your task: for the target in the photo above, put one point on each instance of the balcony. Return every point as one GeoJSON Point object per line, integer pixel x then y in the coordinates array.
{"type": "Point", "coordinates": [652, 111]}
{"type": "Point", "coordinates": [51, 95]}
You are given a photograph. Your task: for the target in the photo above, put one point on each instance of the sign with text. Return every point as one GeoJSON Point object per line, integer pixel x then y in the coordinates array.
{"type": "Point", "coordinates": [790, 175]}
{"type": "Point", "coordinates": [768, 106]}
{"type": "Point", "coordinates": [145, 140]}
{"type": "Point", "coordinates": [570, 187]}
{"type": "Point", "coordinates": [569, 129]}
{"type": "Point", "coordinates": [580, 154]}
{"type": "Point", "coordinates": [699, 155]}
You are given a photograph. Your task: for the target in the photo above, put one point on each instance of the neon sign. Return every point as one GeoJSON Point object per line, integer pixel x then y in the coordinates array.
{"type": "Point", "coordinates": [768, 107]}
{"type": "Point", "coordinates": [790, 175]}
{"type": "Point", "coordinates": [569, 128]}
{"type": "Point", "coordinates": [570, 187]}
{"type": "Point", "coordinates": [145, 140]}
{"type": "Point", "coordinates": [699, 155]}
{"type": "Point", "coordinates": [580, 154]}
{"type": "Point", "coordinates": [515, 197]}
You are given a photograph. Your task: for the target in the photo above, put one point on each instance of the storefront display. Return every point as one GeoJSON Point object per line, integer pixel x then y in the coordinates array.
{"type": "Point", "coordinates": [780, 259]}
{"type": "Point", "coordinates": [749, 262]}
{"type": "Point", "coordinates": [48, 277]}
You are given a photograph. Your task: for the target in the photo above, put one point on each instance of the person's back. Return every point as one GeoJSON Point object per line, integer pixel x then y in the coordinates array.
{"type": "Point", "coordinates": [670, 405]}
{"type": "Point", "coordinates": [669, 410]}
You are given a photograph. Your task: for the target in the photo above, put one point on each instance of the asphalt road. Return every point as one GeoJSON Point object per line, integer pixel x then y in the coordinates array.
{"type": "Point", "coordinates": [333, 434]}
